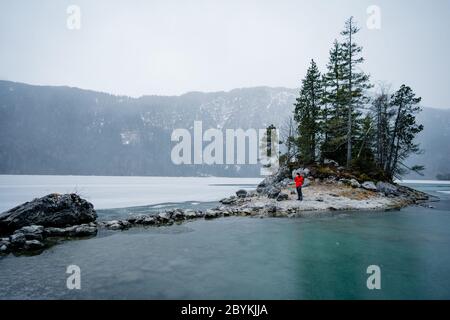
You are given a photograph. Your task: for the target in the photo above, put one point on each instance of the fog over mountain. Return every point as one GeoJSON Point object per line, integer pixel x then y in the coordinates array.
{"type": "Point", "coordinates": [62, 130]}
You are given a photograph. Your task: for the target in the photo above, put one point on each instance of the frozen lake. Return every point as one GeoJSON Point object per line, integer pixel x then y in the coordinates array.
{"type": "Point", "coordinates": [322, 257]}
{"type": "Point", "coordinates": [120, 192]}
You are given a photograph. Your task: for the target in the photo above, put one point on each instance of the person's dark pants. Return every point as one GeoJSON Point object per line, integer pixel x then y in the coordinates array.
{"type": "Point", "coordinates": [299, 192]}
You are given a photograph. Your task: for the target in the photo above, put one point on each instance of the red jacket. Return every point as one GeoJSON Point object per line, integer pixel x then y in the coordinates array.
{"type": "Point", "coordinates": [298, 181]}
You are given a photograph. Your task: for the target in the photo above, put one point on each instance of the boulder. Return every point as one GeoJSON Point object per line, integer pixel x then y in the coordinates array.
{"type": "Point", "coordinates": [271, 209]}
{"type": "Point", "coordinates": [32, 245]}
{"type": "Point", "coordinates": [229, 200]}
{"type": "Point", "coordinates": [4, 245]}
{"type": "Point", "coordinates": [84, 230]}
{"type": "Point", "coordinates": [270, 181]}
{"type": "Point", "coordinates": [53, 210]}
{"type": "Point", "coordinates": [387, 188]}
{"type": "Point", "coordinates": [350, 182]}
{"type": "Point", "coordinates": [330, 162]}
{"type": "Point", "coordinates": [251, 193]}
{"type": "Point", "coordinates": [273, 192]}
{"type": "Point", "coordinates": [282, 196]}
{"type": "Point", "coordinates": [164, 216]}
{"type": "Point", "coordinates": [178, 214]}
{"type": "Point", "coordinates": [116, 224]}
{"type": "Point", "coordinates": [149, 221]}
{"type": "Point", "coordinates": [305, 172]}
{"type": "Point", "coordinates": [241, 193]}
{"type": "Point", "coordinates": [33, 232]}
{"type": "Point", "coordinates": [17, 239]}
{"type": "Point", "coordinates": [285, 182]}
{"type": "Point", "coordinates": [3, 248]}
{"type": "Point", "coordinates": [211, 214]}
{"type": "Point", "coordinates": [369, 185]}
{"type": "Point", "coordinates": [354, 183]}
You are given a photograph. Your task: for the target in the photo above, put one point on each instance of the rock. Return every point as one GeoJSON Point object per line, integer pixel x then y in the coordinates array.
{"type": "Point", "coordinates": [369, 185]}
{"type": "Point", "coordinates": [164, 216]}
{"type": "Point", "coordinates": [261, 187]}
{"type": "Point", "coordinates": [178, 214]}
{"type": "Point", "coordinates": [282, 196]}
{"type": "Point", "coordinates": [330, 162]}
{"type": "Point", "coordinates": [251, 193]}
{"type": "Point", "coordinates": [354, 183]}
{"type": "Point", "coordinates": [229, 200]}
{"type": "Point", "coordinates": [17, 239]}
{"type": "Point", "coordinates": [33, 232]}
{"type": "Point", "coordinates": [200, 213]}
{"type": "Point", "coordinates": [4, 244]}
{"type": "Point", "coordinates": [53, 210]}
{"type": "Point", "coordinates": [241, 193]}
{"type": "Point", "coordinates": [149, 221]}
{"type": "Point", "coordinates": [350, 182]}
{"type": "Point", "coordinates": [211, 214]}
{"type": "Point", "coordinates": [273, 192]}
{"type": "Point", "coordinates": [190, 214]}
{"type": "Point", "coordinates": [114, 225]}
{"type": "Point", "coordinates": [387, 188]}
{"type": "Point", "coordinates": [32, 245]}
{"type": "Point", "coordinates": [306, 182]}
{"type": "Point", "coordinates": [285, 182]}
{"type": "Point", "coordinates": [83, 230]}
{"type": "Point", "coordinates": [270, 181]}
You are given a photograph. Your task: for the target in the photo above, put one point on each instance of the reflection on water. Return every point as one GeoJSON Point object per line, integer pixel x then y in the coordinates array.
{"type": "Point", "coordinates": [250, 258]}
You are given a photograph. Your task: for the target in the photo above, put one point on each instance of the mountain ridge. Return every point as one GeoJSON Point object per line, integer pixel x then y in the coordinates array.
{"type": "Point", "coordinates": [68, 130]}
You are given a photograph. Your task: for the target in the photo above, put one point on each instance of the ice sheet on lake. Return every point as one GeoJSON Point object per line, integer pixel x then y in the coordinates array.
{"type": "Point", "coordinates": [118, 192]}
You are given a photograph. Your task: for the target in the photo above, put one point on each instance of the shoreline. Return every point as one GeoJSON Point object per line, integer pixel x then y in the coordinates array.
{"type": "Point", "coordinates": [272, 198]}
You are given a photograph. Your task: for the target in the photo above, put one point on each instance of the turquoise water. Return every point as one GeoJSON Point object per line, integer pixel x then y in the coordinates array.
{"type": "Point", "coordinates": [251, 258]}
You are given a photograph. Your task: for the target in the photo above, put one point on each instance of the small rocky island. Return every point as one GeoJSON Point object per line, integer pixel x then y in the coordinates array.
{"type": "Point", "coordinates": [36, 225]}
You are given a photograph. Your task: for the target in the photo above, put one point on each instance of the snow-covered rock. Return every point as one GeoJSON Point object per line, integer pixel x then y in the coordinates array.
{"type": "Point", "coordinates": [369, 185]}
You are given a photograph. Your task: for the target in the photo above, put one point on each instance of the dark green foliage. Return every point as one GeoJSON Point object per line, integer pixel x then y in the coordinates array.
{"type": "Point", "coordinates": [332, 123]}
{"type": "Point", "coordinates": [355, 83]}
{"type": "Point", "coordinates": [333, 114]}
{"type": "Point", "coordinates": [306, 113]}
{"type": "Point", "coordinates": [404, 130]}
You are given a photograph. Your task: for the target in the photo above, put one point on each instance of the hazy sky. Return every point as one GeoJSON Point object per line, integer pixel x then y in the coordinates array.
{"type": "Point", "coordinates": [171, 47]}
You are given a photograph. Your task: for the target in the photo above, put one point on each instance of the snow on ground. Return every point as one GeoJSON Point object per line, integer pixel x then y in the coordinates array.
{"type": "Point", "coordinates": [118, 192]}
{"type": "Point", "coordinates": [320, 197]}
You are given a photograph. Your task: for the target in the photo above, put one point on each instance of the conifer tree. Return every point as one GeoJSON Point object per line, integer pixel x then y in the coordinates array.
{"type": "Point", "coordinates": [333, 122]}
{"type": "Point", "coordinates": [403, 132]}
{"type": "Point", "coordinates": [355, 84]}
{"type": "Point", "coordinates": [306, 114]}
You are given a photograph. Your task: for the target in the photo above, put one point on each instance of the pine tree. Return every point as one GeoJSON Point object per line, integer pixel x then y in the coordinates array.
{"type": "Point", "coordinates": [403, 132]}
{"type": "Point", "coordinates": [382, 114]}
{"type": "Point", "coordinates": [306, 114]}
{"type": "Point", "coordinates": [366, 143]}
{"type": "Point", "coordinates": [333, 122]}
{"type": "Point", "coordinates": [355, 84]}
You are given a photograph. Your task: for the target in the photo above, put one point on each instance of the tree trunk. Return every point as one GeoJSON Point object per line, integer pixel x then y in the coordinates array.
{"type": "Point", "coordinates": [350, 109]}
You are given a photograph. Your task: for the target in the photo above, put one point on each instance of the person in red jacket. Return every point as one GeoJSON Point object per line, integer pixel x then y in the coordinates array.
{"type": "Point", "coordinates": [298, 184]}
